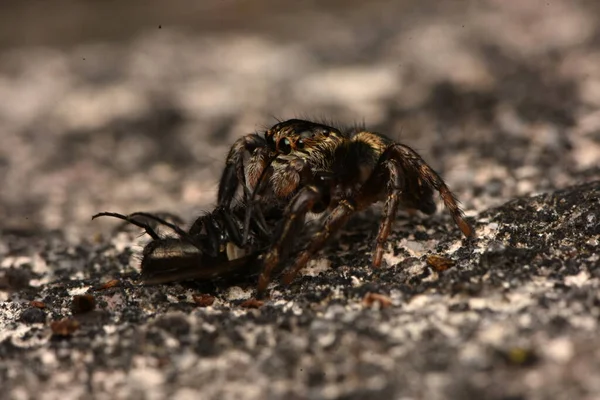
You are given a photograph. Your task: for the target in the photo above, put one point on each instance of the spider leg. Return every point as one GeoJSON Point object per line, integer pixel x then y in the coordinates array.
{"type": "Point", "coordinates": [413, 165]}
{"type": "Point", "coordinates": [305, 200]}
{"type": "Point", "coordinates": [388, 174]}
{"type": "Point", "coordinates": [132, 221]}
{"type": "Point", "coordinates": [338, 217]}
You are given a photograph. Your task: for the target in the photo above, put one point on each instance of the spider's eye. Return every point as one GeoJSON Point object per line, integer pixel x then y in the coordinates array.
{"type": "Point", "coordinates": [300, 144]}
{"type": "Point", "coordinates": [284, 146]}
{"type": "Point", "coordinates": [269, 139]}
{"type": "Point", "coordinates": [325, 132]}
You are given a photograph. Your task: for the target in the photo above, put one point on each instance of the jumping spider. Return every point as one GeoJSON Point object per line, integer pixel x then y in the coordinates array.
{"type": "Point", "coordinates": [212, 249]}
{"type": "Point", "coordinates": [302, 166]}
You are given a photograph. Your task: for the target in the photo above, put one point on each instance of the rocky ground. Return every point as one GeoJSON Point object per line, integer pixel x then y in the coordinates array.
{"type": "Point", "coordinates": [501, 98]}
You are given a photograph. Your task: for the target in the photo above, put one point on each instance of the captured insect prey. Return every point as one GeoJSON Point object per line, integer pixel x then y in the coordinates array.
{"type": "Point", "coordinates": [306, 167]}
{"type": "Point", "coordinates": [211, 250]}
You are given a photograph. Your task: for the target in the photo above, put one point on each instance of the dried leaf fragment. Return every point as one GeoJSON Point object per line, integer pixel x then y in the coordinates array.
{"type": "Point", "coordinates": [203, 300]}
{"type": "Point", "coordinates": [108, 285]}
{"type": "Point", "coordinates": [252, 303]}
{"type": "Point", "coordinates": [439, 263]}
{"type": "Point", "coordinates": [64, 327]}
{"type": "Point", "coordinates": [37, 304]}
{"type": "Point", "coordinates": [372, 298]}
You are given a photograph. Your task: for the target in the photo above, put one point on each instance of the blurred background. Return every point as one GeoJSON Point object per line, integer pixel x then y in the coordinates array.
{"type": "Point", "coordinates": [130, 106]}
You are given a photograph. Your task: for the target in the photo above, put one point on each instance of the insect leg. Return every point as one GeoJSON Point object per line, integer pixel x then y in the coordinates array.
{"type": "Point", "coordinates": [132, 221]}
{"type": "Point", "coordinates": [161, 221]}
{"type": "Point", "coordinates": [208, 227]}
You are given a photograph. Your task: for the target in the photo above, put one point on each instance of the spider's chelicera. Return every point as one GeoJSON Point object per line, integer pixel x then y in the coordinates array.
{"type": "Point", "coordinates": [301, 166]}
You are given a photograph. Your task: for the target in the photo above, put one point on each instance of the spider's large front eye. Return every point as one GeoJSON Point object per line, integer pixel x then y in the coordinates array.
{"type": "Point", "coordinates": [284, 146]}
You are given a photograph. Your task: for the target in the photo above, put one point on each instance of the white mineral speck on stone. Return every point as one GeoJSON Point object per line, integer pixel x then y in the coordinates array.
{"type": "Point", "coordinates": [15, 262]}
{"type": "Point", "coordinates": [415, 248]}
{"type": "Point", "coordinates": [48, 358]}
{"type": "Point", "coordinates": [39, 265]}
{"type": "Point", "coordinates": [391, 259]}
{"type": "Point", "coordinates": [472, 354]}
{"type": "Point", "coordinates": [78, 291]}
{"type": "Point", "coordinates": [109, 329]}
{"type": "Point", "coordinates": [237, 293]}
{"type": "Point", "coordinates": [454, 246]}
{"type": "Point", "coordinates": [493, 334]}
{"type": "Point", "coordinates": [560, 350]}
{"type": "Point", "coordinates": [315, 267]}
{"type": "Point", "coordinates": [577, 280]}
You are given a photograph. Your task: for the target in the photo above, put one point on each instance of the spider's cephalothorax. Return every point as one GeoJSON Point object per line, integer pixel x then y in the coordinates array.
{"type": "Point", "coordinates": [288, 151]}
{"type": "Point", "coordinates": [212, 249]}
{"type": "Point", "coordinates": [308, 167]}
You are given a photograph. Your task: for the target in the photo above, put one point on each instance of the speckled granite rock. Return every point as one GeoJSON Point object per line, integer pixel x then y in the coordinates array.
{"type": "Point", "coordinates": [516, 315]}
{"type": "Point", "coordinates": [502, 99]}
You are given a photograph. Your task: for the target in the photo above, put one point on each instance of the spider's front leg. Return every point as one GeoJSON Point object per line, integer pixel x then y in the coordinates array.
{"type": "Point", "coordinates": [335, 220]}
{"type": "Point", "coordinates": [309, 198]}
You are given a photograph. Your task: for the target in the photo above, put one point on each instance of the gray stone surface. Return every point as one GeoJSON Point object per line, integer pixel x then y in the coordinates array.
{"type": "Point", "coordinates": [501, 98]}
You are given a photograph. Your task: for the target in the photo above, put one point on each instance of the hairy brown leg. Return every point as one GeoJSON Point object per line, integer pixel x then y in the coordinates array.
{"type": "Point", "coordinates": [386, 172]}
{"type": "Point", "coordinates": [389, 171]}
{"type": "Point", "coordinates": [338, 217]}
{"type": "Point", "coordinates": [403, 169]}
{"type": "Point", "coordinates": [307, 198]}
{"type": "Point", "coordinates": [413, 165]}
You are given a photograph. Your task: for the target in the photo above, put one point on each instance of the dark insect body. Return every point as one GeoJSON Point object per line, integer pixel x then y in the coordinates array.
{"type": "Point", "coordinates": [301, 166]}
{"type": "Point", "coordinates": [210, 250]}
